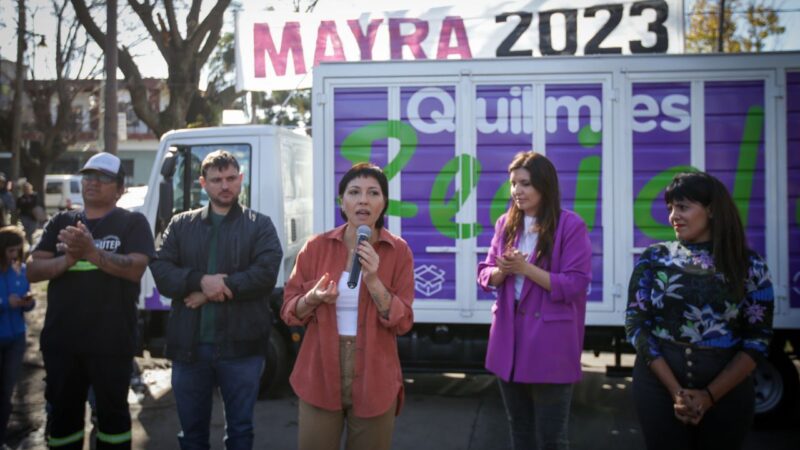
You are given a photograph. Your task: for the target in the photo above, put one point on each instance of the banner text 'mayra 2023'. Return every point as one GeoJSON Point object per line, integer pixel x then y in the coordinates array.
{"type": "Point", "coordinates": [277, 51]}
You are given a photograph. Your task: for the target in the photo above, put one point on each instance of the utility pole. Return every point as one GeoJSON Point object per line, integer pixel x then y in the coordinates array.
{"type": "Point", "coordinates": [19, 89]}
{"type": "Point", "coordinates": [110, 116]}
{"type": "Point", "coordinates": [721, 34]}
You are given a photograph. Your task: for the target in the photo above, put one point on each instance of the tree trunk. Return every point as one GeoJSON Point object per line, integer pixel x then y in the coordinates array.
{"type": "Point", "coordinates": [721, 31]}
{"type": "Point", "coordinates": [16, 107]}
{"type": "Point", "coordinates": [110, 136]}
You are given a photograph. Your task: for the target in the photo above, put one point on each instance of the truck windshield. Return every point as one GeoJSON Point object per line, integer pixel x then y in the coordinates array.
{"type": "Point", "coordinates": [186, 187]}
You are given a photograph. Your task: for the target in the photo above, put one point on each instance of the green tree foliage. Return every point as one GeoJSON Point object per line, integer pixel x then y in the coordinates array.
{"type": "Point", "coordinates": [763, 22]}
{"type": "Point", "coordinates": [289, 108]}
{"type": "Point", "coordinates": [748, 23]}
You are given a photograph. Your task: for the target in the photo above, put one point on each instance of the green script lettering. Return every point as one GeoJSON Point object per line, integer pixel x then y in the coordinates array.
{"type": "Point", "coordinates": [797, 213]}
{"type": "Point", "coordinates": [642, 207]}
{"type": "Point", "coordinates": [748, 157]}
{"type": "Point", "coordinates": [442, 210]}
{"type": "Point", "coordinates": [587, 190]}
{"type": "Point", "coordinates": [587, 186]}
{"type": "Point", "coordinates": [499, 204]}
{"type": "Point", "coordinates": [357, 147]}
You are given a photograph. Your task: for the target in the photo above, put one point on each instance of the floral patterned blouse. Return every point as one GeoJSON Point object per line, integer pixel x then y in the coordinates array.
{"type": "Point", "coordinates": [676, 295]}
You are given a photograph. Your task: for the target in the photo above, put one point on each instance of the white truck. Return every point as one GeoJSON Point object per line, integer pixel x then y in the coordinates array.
{"type": "Point", "coordinates": [276, 164]}
{"type": "Point", "coordinates": [616, 127]}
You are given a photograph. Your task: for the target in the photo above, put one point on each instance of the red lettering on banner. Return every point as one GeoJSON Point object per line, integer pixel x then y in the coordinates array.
{"type": "Point", "coordinates": [453, 25]}
{"type": "Point", "coordinates": [290, 42]}
{"type": "Point", "coordinates": [397, 40]}
{"type": "Point", "coordinates": [327, 31]}
{"type": "Point", "coordinates": [365, 43]}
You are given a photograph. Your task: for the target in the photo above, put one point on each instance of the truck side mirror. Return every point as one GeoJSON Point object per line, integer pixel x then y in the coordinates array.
{"type": "Point", "coordinates": [165, 192]}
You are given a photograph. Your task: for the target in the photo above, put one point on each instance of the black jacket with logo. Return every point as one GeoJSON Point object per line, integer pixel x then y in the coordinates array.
{"type": "Point", "coordinates": [248, 251]}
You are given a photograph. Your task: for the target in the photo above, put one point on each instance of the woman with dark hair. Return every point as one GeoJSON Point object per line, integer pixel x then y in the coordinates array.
{"type": "Point", "coordinates": [14, 300]}
{"type": "Point", "coordinates": [540, 264]}
{"type": "Point", "coordinates": [700, 316]}
{"type": "Point", "coordinates": [348, 369]}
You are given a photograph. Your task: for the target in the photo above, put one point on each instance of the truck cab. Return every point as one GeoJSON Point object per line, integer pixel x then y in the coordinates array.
{"type": "Point", "coordinates": [280, 161]}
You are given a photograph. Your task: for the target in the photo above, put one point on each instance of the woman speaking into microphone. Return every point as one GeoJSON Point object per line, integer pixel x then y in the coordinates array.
{"type": "Point", "coordinates": [348, 370]}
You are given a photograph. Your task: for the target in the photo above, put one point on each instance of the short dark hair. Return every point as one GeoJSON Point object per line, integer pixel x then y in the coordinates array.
{"type": "Point", "coordinates": [366, 170]}
{"type": "Point", "coordinates": [729, 249]}
{"type": "Point", "coordinates": [220, 160]}
{"type": "Point", "coordinates": [11, 236]}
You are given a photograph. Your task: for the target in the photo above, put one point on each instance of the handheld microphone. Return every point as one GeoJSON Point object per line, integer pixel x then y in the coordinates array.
{"type": "Point", "coordinates": [363, 232]}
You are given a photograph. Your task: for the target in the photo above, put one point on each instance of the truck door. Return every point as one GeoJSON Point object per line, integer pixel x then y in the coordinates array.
{"type": "Point", "coordinates": [187, 194]}
{"type": "Point", "coordinates": [409, 129]}
{"type": "Point", "coordinates": [566, 120]}
{"type": "Point", "coordinates": [714, 123]}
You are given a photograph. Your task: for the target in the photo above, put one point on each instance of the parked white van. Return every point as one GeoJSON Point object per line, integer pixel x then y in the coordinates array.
{"type": "Point", "coordinates": [62, 191]}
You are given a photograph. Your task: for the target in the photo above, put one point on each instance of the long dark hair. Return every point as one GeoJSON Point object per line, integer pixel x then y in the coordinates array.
{"type": "Point", "coordinates": [366, 170]}
{"type": "Point", "coordinates": [727, 232]}
{"type": "Point", "coordinates": [11, 236]}
{"type": "Point", "coordinates": [545, 180]}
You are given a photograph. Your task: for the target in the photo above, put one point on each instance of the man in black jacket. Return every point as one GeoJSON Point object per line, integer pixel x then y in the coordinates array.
{"type": "Point", "coordinates": [219, 265]}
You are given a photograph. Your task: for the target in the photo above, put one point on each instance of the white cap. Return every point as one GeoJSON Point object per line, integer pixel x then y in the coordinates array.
{"type": "Point", "coordinates": [104, 162]}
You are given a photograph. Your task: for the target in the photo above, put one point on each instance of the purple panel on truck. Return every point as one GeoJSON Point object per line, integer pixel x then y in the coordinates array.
{"type": "Point", "coordinates": [353, 110]}
{"type": "Point", "coordinates": [503, 128]}
{"type": "Point", "coordinates": [573, 123]}
{"type": "Point", "coordinates": [734, 146]}
{"type": "Point", "coordinates": [429, 184]}
{"type": "Point", "coordinates": [734, 151]}
{"type": "Point", "coordinates": [661, 136]}
{"type": "Point", "coordinates": [793, 182]}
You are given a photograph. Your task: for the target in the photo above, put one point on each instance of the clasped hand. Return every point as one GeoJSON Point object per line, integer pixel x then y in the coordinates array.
{"type": "Point", "coordinates": [691, 405]}
{"type": "Point", "coordinates": [76, 242]}
{"type": "Point", "coordinates": [513, 262]}
{"type": "Point", "coordinates": [214, 289]}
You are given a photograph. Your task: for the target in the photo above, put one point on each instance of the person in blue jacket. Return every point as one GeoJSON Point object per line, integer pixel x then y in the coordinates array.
{"type": "Point", "coordinates": [15, 299]}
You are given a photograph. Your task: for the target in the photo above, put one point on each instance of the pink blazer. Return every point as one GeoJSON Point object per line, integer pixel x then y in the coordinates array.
{"type": "Point", "coordinates": [540, 340]}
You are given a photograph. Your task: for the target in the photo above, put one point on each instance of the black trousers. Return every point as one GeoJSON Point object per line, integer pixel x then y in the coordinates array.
{"type": "Point", "coordinates": [724, 426]}
{"type": "Point", "coordinates": [68, 379]}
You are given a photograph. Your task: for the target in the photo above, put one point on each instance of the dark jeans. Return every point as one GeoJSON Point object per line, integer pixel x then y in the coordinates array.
{"type": "Point", "coordinates": [193, 384]}
{"type": "Point", "coordinates": [724, 426]}
{"type": "Point", "coordinates": [68, 379]}
{"type": "Point", "coordinates": [11, 359]}
{"type": "Point", "coordinates": [538, 414]}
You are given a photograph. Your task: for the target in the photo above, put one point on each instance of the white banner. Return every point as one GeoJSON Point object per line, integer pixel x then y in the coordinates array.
{"type": "Point", "coordinates": [276, 51]}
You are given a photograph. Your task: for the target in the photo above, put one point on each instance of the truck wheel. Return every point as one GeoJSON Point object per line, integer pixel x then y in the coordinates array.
{"type": "Point", "coordinates": [776, 385]}
{"type": "Point", "coordinates": [276, 369]}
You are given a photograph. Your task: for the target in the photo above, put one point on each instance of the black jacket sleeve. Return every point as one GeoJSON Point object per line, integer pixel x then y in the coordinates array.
{"type": "Point", "coordinates": [259, 277]}
{"type": "Point", "coordinates": [171, 279]}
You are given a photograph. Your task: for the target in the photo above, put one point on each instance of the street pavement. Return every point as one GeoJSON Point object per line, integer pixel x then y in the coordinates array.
{"type": "Point", "coordinates": [451, 411]}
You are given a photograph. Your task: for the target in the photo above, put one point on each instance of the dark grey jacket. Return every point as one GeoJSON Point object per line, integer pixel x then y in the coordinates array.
{"type": "Point", "coordinates": [249, 251]}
